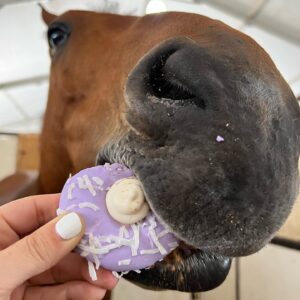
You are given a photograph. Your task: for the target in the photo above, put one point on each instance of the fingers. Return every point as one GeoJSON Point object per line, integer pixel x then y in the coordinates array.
{"type": "Point", "coordinates": [71, 290]}
{"type": "Point", "coordinates": [32, 212]}
{"type": "Point", "coordinates": [7, 235]}
{"type": "Point", "coordinates": [39, 251]}
{"type": "Point", "coordinates": [73, 267]}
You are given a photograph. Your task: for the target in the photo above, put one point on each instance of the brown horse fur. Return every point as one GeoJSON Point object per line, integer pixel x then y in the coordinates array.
{"type": "Point", "coordinates": [154, 93]}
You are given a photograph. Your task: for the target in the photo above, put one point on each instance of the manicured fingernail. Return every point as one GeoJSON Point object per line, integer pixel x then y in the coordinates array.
{"type": "Point", "coordinates": [69, 226]}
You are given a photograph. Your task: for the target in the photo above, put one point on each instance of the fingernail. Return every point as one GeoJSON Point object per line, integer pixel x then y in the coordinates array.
{"type": "Point", "coordinates": [69, 226]}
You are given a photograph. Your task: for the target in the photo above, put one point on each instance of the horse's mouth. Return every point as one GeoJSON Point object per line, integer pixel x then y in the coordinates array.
{"type": "Point", "coordinates": [186, 268]}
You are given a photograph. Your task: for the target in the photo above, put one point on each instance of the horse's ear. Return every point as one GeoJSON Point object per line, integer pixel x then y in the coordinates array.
{"type": "Point", "coordinates": [47, 16]}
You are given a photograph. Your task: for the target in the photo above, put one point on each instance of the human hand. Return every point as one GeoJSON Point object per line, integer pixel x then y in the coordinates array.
{"type": "Point", "coordinates": [35, 258]}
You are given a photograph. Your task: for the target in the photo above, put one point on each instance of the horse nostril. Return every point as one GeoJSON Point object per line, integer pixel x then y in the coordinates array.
{"type": "Point", "coordinates": [166, 86]}
{"type": "Point", "coordinates": [161, 76]}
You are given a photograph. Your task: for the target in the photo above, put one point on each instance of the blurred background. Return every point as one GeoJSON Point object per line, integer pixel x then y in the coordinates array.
{"type": "Point", "coordinates": [273, 273]}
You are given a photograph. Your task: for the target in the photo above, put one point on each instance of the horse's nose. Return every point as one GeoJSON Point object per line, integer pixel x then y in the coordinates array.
{"type": "Point", "coordinates": [168, 73]}
{"type": "Point", "coordinates": [174, 74]}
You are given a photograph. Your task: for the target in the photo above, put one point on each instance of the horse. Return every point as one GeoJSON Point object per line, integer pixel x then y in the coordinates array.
{"type": "Point", "coordinates": [197, 110]}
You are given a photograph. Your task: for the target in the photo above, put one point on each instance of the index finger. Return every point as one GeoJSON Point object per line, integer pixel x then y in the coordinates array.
{"type": "Point", "coordinates": [27, 214]}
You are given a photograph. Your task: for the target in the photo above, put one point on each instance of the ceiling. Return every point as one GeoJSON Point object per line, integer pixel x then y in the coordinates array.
{"type": "Point", "coordinates": [275, 24]}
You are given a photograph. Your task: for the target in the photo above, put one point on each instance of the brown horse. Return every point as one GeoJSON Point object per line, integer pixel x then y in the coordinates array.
{"type": "Point", "coordinates": [200, 114]}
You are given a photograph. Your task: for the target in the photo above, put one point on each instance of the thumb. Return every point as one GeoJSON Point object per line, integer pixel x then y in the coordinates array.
{"type": "Point", "coordinates": [40, 250]}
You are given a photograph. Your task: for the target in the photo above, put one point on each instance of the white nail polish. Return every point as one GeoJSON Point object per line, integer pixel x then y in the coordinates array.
{"type": "Point", "coordinates": [68, 226]}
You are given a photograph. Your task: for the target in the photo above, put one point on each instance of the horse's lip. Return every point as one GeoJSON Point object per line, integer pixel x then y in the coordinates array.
{"type": "Point", "coordinates": [197, 271]}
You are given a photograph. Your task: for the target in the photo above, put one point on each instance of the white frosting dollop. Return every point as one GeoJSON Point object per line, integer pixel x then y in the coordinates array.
{"type": "Point", "coordinates": [125, 201]}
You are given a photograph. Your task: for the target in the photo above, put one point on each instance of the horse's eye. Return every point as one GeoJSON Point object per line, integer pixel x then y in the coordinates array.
{"type": "Point", "coordinates": [58, 34]}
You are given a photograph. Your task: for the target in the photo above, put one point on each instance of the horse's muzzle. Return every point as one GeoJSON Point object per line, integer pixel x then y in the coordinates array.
{"type": "Point", "coordinates": [186, 270]}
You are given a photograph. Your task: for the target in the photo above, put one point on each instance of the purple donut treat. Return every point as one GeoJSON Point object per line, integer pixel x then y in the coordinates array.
{"type": "Point", "coordinates": [122, 234]}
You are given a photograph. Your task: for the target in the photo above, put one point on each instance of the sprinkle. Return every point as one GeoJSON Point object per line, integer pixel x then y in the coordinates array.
{"type": "Point", "coordinates": [71, 206]}
{"type": "Point", "coordinates": [124, 262]}
{"type": "Point", "coordinates": [60, 211]}
{"type": "Point", "coordinates": [107, 166]}
{"type": "Point", "coordinates": [91, 240]}
{"type": "Point", "coordinates": [83, 241]}
{"type": "Point", "coordinates": [162, 233]}
{"type": "Point", "coordinates": [103, 250]}
{"type": "Point", "coordinates": [69, 178]}
{"type": "Point", "coordinates": [123, 273]}
{"type": "Point", "coordinates": [220, 139]}
{"type": "Point", "coordinates": [90, 205]}
{"type": "Point", "coordinates": [136, 238]}
{"type": "Point", "coordinates": [104, 238]}
{"type": "Point", "coordinates": [117, 239]}
{"type": "Point", "coordinates": [98, 181]}
{"type": "Point", "coordinates": [84, 183]}
{"type": "Point", "coordinates": [138, 271]}
{"type": "Point", "coordinates": [92, 271]}
{"type": "Point", "coordinates": [84, 254]}
{"type": "Point", "coordinates": [96, 261]}
{"type": "Point", "coordinates": [149, 251]}
{"type": "Point", "coordinates": [70, 190]}
{"type": "Point", "coordinates": [152, 221]}
{"type": "Point", "coordinates": [116, 274]}
{"type": "Point", "coordinates": [155, 240]}
{"type": "Point", "coordinates": [123, 232]}
{"type": "Point", "coordinates": [97, 242]}
{"type": "Point", "coordinates": [173, 244]}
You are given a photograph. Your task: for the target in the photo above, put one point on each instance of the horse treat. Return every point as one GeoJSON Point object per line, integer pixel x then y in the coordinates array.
{"type": "Point", "coordinates": [122, 233]}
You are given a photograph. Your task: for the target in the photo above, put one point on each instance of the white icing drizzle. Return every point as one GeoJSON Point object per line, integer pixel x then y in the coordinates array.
{"type": "Point", "coordinates": [70, 190]}
{"type": "Point", "coordinates": [90, 205]}
{"type": "Point", "coordinates": [84, 183]}
{"type": "Point", "coordinates": [149, 251]}
{"type": "Point", "coordinates": [92, 271]}
{"type": "Point", "coordinates": [124, 262]}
